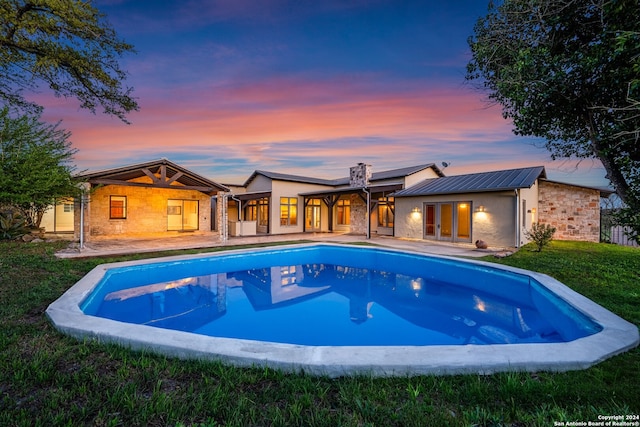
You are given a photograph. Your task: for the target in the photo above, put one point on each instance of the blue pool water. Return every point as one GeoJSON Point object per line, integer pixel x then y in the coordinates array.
{"type": "Point", "coordinates": [339, 296]}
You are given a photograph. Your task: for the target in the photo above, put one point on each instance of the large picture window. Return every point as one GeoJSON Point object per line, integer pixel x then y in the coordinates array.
{"type": "Point", "coordinates": [343, 211]}
{"type": "Point", "coordinates": [118, 207]}
{"type": "Point", "coordinates": [288, 211]}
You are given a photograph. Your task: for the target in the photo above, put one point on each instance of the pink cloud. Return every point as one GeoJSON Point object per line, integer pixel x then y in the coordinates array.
{"type": "Point", "coordinates": [293, 110]}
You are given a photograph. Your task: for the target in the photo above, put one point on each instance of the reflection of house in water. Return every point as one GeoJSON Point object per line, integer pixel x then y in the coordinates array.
{"type": "Point", "coordinates": [453, 310]}
{"type": "Point", "coordinates": [468, 316]}
{"type": "Point", "coordinates": [349, 283]}
{"type": "Point", "coordinates": [462, 313]}
{"type": "Point", "coordinates": [273, 286]}
{"type": "Point", "coordinates": [184, 304]}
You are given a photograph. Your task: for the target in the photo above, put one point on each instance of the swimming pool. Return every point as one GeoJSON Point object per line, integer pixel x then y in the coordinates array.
{"type": "Point", "coordinates": [380, 311]}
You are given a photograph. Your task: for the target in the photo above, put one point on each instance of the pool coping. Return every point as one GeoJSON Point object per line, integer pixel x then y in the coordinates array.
{"type": "Point", "coordinates": [617, 336]}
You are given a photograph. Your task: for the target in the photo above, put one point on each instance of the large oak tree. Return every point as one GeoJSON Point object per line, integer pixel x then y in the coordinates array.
{"type": "Point", "coordinates": [568, 71]}
{"type": "Point", "coordinates": [67, 46]}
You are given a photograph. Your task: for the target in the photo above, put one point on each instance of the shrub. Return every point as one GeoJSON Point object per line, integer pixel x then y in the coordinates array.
{"type": "Point", "coordinates": [540, 234]}
{"type": "Point", "coordinates": [12, 224]}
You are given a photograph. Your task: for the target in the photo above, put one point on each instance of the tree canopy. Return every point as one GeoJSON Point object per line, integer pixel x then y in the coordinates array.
{"type": "Point", "coordinates": [66, 45]}
{"type": "Point", "coordinates": [568, 71]}
{"type": "Point", "coordinates": [35, 165]}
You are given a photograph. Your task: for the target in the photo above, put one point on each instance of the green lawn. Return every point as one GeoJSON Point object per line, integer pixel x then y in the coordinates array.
{"type": "Point", "coordinates": [49, 379]}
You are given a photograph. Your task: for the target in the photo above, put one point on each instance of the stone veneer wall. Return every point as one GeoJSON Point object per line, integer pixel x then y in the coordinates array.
{"type": "Point", "coordinates": [573, 211]}
{"type": "Point", "coordinates": [146, 211]}
{"type": "Point", "coordinates": [221, 208]}
{"type": "Point", "coordinates": [358, 215]}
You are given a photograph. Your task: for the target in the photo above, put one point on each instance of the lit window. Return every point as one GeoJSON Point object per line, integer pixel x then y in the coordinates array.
{"type": "Point", "coordinates": [251, 211]}
{"type": "Point", "coordinates": [385, 211]}
{"type": "Point", "coordinates": [118, 207]}
{"type": "Point", "coordinates": [263, 211]}
{"type": "Point", "coordinates": [288, 211]}
{"type": "Point", "coordinates": [258, 210]}
{"type": "Point", "coordinates": [343, 211]}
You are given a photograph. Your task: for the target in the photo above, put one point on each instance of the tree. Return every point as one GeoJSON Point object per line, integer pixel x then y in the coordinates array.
{"type": "Point", "coordinates": [568, 71]}
{"type": "Point", "coordinates": [35, 165]}
{"type": "Point", "coordinates": [66, 45]}
{"type": "Point", "coordinates": [540, 234]}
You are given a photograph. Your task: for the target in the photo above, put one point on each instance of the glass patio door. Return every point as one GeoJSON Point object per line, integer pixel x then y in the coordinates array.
{"type": "Point", "coordinates": [446, 222]}
{"type": "Point", "coordinates": [182, 215]}
{"type": "Point", "coordinates": [312, 215]}
{"type": "Point", "coordinates": [449, 221]}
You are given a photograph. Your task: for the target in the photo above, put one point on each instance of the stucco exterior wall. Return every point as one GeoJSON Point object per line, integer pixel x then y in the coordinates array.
{"type": "Point", "coordinates": [259, 183]}
{"type": "Point", "coordinates": [528, 210]}
{"type": "Point", "coordinates": [146, 211]}
{"type": "Point", "coordinates": [291, 189]}
{"type": "Point", "coordinates": [573, 211]}
{"type": "Point", "coordinates": [496, 225]}
{"type": "Point", "coordinates": [413, 179]}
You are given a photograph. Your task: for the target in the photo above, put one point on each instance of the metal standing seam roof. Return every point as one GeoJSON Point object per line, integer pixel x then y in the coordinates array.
{"type": "Point", "coordinates": [510, 179]}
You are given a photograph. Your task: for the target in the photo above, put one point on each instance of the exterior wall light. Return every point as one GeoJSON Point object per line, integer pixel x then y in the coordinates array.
{"type": "Point", "coordinates": [480, 208]}
{"type": "Point", "coordinates": [415, 210]}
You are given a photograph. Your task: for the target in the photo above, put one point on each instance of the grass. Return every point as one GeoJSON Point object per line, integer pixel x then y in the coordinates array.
{"type": "Point", "coordinates": [48, 379]}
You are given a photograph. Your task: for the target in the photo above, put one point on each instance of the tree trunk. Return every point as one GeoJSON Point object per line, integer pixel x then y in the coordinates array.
{"type": "Point", "coordinates": [608, 161]}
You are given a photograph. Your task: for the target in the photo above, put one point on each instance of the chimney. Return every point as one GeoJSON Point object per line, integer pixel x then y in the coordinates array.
{"type": "Point", "coordinates": [360, 175]}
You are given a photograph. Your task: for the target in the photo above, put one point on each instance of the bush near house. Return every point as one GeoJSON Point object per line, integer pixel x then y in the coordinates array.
{"type": "Point", "coordinates": [540, 235]}
{"type": "Point", "coordinates": [12, 224]}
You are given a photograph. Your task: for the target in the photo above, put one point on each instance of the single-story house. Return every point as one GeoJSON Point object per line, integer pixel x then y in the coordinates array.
{"type": "Point", "coordinates": [152, 198]}
{"type": "Point", "coordinates": [161, 198]}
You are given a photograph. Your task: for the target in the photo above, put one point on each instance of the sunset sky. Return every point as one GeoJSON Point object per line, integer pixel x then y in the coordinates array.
{"type": "Point", "coordinates": [303, 87]}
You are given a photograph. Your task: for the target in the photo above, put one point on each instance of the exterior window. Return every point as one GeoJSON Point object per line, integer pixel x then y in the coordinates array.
{"type": "Point", "coordinates": [385, 212]}
{"type": "Point", "coordinates": [118, 207]}
{"type": "Point", "coordinates": [343, 211]}
{"type": "Point", "coordinates": [263, 212]}
{"type": "Point", "coordinates": [288, 211]}
{"type": "Point", "coordinates": [258, 210]}
{"type": "Point", "coordinates": [68, 207]}
{"type": "Point", "coordinates": [251, 211]}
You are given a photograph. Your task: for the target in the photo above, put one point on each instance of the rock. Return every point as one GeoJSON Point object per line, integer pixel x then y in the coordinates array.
{"type": "Point", "coordinates": [503, 254]}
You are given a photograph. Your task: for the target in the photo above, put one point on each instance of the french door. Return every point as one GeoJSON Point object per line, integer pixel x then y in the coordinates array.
{"type": "Point", "coordinates": [448, 221]}
{"type": "Point", "coordinates": [312, 215]}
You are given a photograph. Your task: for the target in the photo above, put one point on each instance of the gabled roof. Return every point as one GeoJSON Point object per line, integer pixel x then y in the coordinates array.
{"type": "Point", "coordinates": [286, 177]}
{"type": "Point", "coordinates": [170, 175]}
{"type": "Point", "coordinates": [510, 179]}
{"type": "Point", "coordinates": [375, 176]}
{"type": "Point", "coordinates": [395, 173]}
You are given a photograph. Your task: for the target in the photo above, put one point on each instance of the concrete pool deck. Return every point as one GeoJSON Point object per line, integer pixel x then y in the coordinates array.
{"type": "Point", "coordinates": [617, 336]}
{"type": "Point", "coordinates": [123, 246]}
